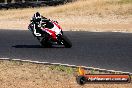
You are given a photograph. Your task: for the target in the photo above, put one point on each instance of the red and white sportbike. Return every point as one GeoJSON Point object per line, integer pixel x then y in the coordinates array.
{"type": "Point", "coordinates": [50, 34]}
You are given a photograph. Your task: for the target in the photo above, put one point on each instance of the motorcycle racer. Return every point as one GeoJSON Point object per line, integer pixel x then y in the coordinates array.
{"type": "Point", "coordinates": [42, 24]}
{"type": "Point", "coordinates": [48, 32]}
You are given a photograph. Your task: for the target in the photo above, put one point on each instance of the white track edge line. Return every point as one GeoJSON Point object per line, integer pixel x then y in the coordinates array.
{"type": "Point", "coordinates": [38, 62]}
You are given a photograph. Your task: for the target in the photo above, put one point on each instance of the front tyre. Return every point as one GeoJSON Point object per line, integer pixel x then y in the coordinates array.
{"type": "Point", "coordinates": [66, 42]}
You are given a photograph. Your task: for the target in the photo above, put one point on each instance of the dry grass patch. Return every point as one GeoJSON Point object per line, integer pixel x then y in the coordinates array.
{"type": "Point", "coordinates": [94, 7]}
{"type": "Point", "coordinates": [16, 74]}
{"type": "Point", "coordinates": [84, 15]}
{"type": "Point", "coordinates": [78, 8]}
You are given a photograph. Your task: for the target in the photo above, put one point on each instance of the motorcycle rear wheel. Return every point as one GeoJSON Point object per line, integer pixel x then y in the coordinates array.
{"type": "Point", "coordinates": [44, 43]}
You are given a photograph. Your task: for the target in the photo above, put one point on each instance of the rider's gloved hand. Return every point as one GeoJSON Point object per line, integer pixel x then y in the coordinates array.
{"type": "Point", "coordinates": [56, 22]}
{"type": "Point", "coordinates": [39, 25]}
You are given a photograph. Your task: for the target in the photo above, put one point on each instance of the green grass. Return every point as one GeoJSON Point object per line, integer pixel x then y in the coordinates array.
{"type": "Point", "coordinates": [115, 2]}
{"type": "Point", "coordinates": [125, 1]}
{"type": "Point", "coordinates": [61, 68]}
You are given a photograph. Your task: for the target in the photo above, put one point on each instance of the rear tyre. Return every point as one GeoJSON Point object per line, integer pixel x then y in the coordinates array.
{"type": "Point", "coordinates": [44, 42]}
{"type": "Point", "coordinates": [66, 42]}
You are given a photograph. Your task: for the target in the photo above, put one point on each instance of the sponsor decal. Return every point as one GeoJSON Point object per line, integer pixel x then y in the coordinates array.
{"type": "Point", "coordinates": [83, 78]}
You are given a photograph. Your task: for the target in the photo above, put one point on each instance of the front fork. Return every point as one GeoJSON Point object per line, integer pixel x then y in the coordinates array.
{"type": "Point", "coordinates": [59, 39]}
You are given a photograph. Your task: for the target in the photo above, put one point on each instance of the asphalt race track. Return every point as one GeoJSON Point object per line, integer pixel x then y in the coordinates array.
{"type": "Point", "coordinates": [106, 50]}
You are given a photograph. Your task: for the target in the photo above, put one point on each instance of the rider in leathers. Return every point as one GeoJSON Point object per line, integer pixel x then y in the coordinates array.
{"type": "Point", "coordinates": [41, 24]}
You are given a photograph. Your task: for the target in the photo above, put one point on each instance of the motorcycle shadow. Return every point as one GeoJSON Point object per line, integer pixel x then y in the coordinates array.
{"type": "Point", "coordinates": [37, 46]}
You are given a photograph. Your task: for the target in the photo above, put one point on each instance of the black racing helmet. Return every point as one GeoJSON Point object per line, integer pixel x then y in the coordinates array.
{"type": "Point", "coordinates": [37, 17]}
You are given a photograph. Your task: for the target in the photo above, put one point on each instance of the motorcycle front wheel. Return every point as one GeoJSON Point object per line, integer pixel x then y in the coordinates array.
{"type": "Point", "coordinates": [66, 42]}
